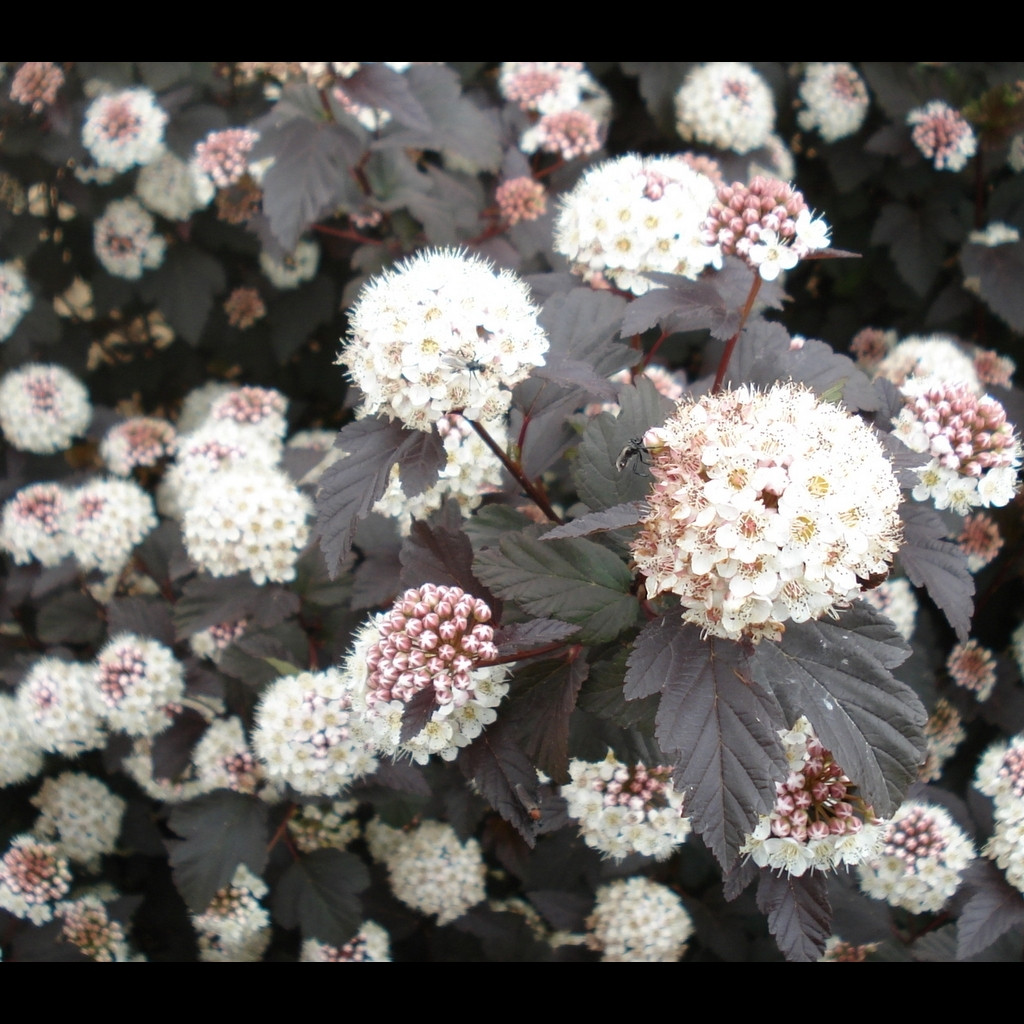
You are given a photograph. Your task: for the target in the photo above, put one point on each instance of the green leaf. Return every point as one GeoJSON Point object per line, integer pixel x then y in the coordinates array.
{"type": "Point", "coordinates": [319, 893]}
{"type": "Point", "coordinates": [574, 580]}
{"type": "Point", "coordinates": [221, 830]}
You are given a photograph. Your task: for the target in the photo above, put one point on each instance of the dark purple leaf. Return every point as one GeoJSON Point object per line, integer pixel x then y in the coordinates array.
{"type": "Point", "coordinates": [441, 554]}
{"type": "Point", "coordinates": [604, 694]}
{"type": "Point", "coordinates": [524, 637]}
{"type": "Point", "coordinates": [207, 601]}
{"type": "Point", "coordinates": [184, 287]}
{"type": "Point", "coordinates": [377, 85]}
{"type": "Point", "coordinates": [763, 356]}
{"type": "Point", "coordinates": [498, 766]}
{"type": "Point", "coordinates": [937, 564]}
{"type": "Point", "coordinates": [575, 580]}
{"type": "Point", "coordinates": [799, 914]}
{"type": "Point", "coordinates": [992, 909]}
{"type": "Point", "coordinates": [457, 125]}
{"type": "Point", "coordinates": [542, 700]}
{"type": "Point", "coordinates": [70, 617]}
{"type": "Point", "coordinates": [295, 315]}
{"type": "Point", "coordinates": [915, 246]}
{"type": "Point", "coordinates": [716, 723]}
{"type": "Point", "coordinates": [319, 894]}
{"type": "Point", "coordinates": [571, 373]}
{"type": "Point", "coordinates": [349, 488]}
{"type": "Point", "coordinates": [583, 327]}
{"type": "Point", "coordinates": [998, 271]}
{"type": "Point", "coordinates": [838, 675]}
{"type": "Point", "coordinates": [627, 514]}
{"type": "Point", "coordinates": [658, 81]}
{"type": "Point", "coordinates": [221, 830]}
{"type": "Point", "coordinates": [713, 302]}
{"type": "Point", "coordinates": [310, 175]}
{"type": "Point", "coordinates": [417, 714]}
{"type": "Point", "coordinates": [146, 616]}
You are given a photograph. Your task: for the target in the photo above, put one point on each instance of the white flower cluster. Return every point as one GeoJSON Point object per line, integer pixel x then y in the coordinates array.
{"type": "Point", "coordinates": [15, 298]}
{"type": "Point", "coordinates": [208, 451]}
{"type": "Point", "coordinates": [60, 707]}
{"type": "Point", "coordinates": [256, 411]}
{"type": "Point", "coordinates": [370, 945]}
{"type": "Point", "coordinates": [442, 332]}
{"type": "Point", "coordinates": [437, 639]}
{"type": "Point", "coordinates": [623, 810]}
{"type": "Point", "coordinates": [766, 507]}
{"type": "Point", "coordinates": [725, 104]}
{"type": "Point", "coordinates": [125, 240]}
{"type": "Point", "coordinates": [251, 519]}
{"type": "Point", "coordinates": [223, 760]}
{"type": "Point", "coordinates": [471, 470]}
{"type": "Point", "coordinates": [924, 854]}
{"type": "Point", "coordinates": [974, 452]}
{"type": "Point", "coordinates": [123, 129]}
{"type": "Point", "coordinates": [291, 269]}
{"type": "Point", "coordinates": [81, 815]}
{"type": "Point", "coordinates": [835, 100]}
{"type": "Point", "coordinates": [139, 681]}
{"type": "Point", "coordinates": [1000, 775]}
{"type": "Point", "coordinates": [106, 519]}
{"type": "Point", "coordinates": [33, 525]}
{"type": "Point", "coordinates": [235, 927]}
{"type": "Point", "coordinates": [818, 822]}
{"type": "Point", "coordinates": [139, 441]}
{"type": "Point", "coordinates": [43, 408]}
{"type": "Point", "coordinates": [33, 877]}
{"type": "Point", "coordinates": [173, 188]}
{"type": "Point", "coordinates": [895, 598]}
{"type": "Point", "coordinates": [637, 921]}
{"type": "Point", "coordinates": [635, 215]}
{"type": "Point", "coordinates": [312, 827]}
{"type": "Point", "coordinates": [933, 355]}
{"type": "Point", "coordinates": [995, 233]}
{"type": "Point", "coordinates": [23, 757]}
{"type": "Point", "coordinates": [308, 735]}
{"type": "Point", "coordinates": [430, 869]}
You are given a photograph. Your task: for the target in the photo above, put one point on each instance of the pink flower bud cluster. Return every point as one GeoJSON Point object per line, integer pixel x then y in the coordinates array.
{"type": "Point", "coordinates": [974, 451]}
{"type": "Point", "coordinates": [87, 925]}
{"type": "Point", "coordinates": [33, 876]}
{"type": "Point", "coordinates": [224, 155]}
{"type": "Point", "coordinates": [433, 637]}
{"type": "Point", "coordinates": [973, 667]}
{"type": "Point", "coordinates": [767, 220]}
{"type": "Point", "coordinates": [36, 83]}
{"type": "Point", "coordinates": [818, 821]}
{"type": "Point", "coordinates": [140, 441]}
{"type": "Point", "coordinates": [920, 865]}
{"type": "Point", "coordinates": [252, 406]}
{"type": "Point", "coordinates": [520, 199]}
{"type": "Point", "coordinates": [942, 135]}
{"type": "Point", "coordinates": [568, 110]}
{"type": "Point", "coordinates": [980, 540]}
{"type": "Point", "coordinates": [370, 945]}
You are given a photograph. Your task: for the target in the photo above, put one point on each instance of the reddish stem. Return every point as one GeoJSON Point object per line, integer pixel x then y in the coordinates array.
{"type": "Point", "coordinates": [515, 470]}
{"type": "Point", "coordinates": [731, 343]}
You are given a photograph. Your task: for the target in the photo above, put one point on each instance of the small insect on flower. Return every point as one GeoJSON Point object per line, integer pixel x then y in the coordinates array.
{"type": "Point", "coordinates": [633, 451]}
